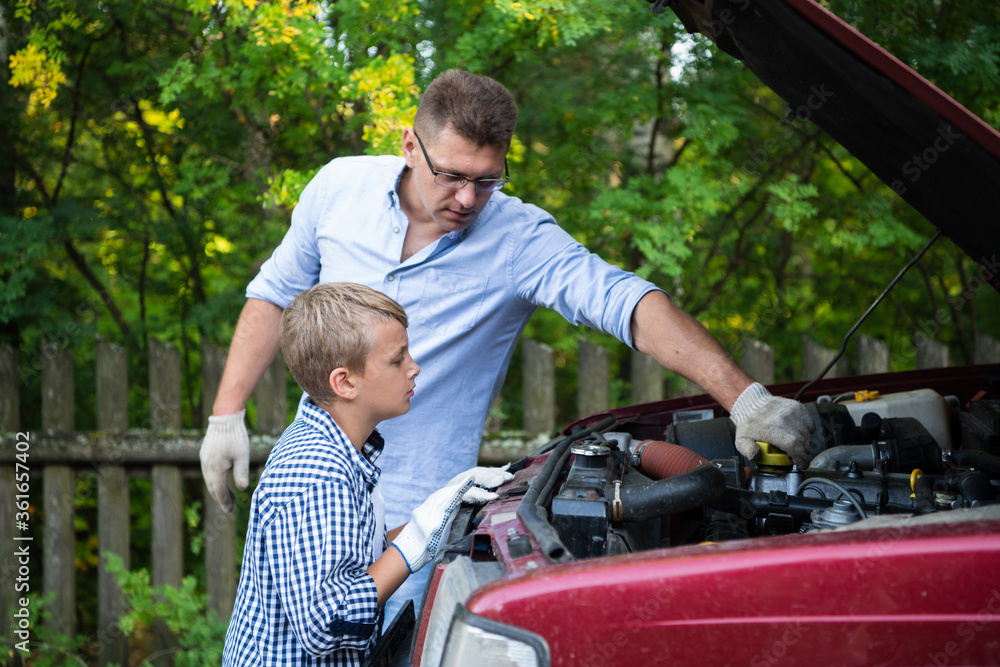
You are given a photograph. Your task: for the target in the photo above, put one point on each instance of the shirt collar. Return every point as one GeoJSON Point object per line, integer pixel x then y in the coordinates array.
{"type": "Point", "coordinates": [393, 181]}
{"type": "Point", "coordinates": [321, 420]}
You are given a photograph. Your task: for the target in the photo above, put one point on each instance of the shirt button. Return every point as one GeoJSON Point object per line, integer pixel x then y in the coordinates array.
{"type": "Point", "coordinates": [391, 278]}
{"type": "Point", "coordinates": [395, 230]}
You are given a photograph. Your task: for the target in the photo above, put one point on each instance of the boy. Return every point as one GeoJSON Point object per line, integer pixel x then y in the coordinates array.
{"type": "Point", "coordinates": [316, 567]}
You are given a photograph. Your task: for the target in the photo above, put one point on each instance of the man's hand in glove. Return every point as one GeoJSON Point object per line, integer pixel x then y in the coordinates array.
{"type": "Point", "coordinates": [782, 422]}
{"type": "Point", "coordinates": [419, 540]}
{"type": "Point", "coordinates": [226, 445]}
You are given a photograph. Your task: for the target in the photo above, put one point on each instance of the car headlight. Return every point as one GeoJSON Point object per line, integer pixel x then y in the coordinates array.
{"type": "Point", "coordinates": [474, 640]}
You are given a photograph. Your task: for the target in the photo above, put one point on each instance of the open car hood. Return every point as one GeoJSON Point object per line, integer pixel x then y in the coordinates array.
{"type": "Point", "coordinates": [933, 152]}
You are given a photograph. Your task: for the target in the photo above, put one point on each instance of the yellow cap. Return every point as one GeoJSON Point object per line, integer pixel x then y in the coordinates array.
{"type": "Point", "coordinates": [773, 457]}
{"type": "Point", "coordinates": [865, 395]}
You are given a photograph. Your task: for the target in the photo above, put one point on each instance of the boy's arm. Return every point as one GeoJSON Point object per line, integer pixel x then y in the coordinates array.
{"type": "Point", "coordinates": [392, 534]}
{"type": "Point", "coordinates": [312, 549]}
{"type": "Point", "coordinates": [389, 571]}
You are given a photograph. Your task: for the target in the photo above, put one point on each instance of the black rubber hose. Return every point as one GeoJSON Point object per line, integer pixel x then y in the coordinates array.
{"type": "Point", "coordinates": [971, 458]}
{"type": "Point", "coordinates": [975, 486]}
{"type": "Point", "coordinates": [749, 505]}
{"type": "Point", "coordinates": [530, 512]}
{"type": "Point", "coordinates": [695, 488]}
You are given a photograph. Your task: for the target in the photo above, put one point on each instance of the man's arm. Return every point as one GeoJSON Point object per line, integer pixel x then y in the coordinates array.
{"type": "Point", "coordinates": [226, 445]}
{"type": "Point", "coordinates": [254, 346]}
{"type": "Point", "coordinates": [684, 346]}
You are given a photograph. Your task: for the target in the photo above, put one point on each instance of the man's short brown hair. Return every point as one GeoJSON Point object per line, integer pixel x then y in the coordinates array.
{"type": "Point", "coordinates": [332, 325]}
{"type": "Point", "coordinates": [479, 108]}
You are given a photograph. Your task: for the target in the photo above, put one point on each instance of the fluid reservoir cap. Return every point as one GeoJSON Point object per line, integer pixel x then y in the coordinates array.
{"type": "Point", "coordinates": [772, 457]}
{"type": "Point", "coordinates": [590, 449]}
{"type": "Point", "coordinates": [589, 455]}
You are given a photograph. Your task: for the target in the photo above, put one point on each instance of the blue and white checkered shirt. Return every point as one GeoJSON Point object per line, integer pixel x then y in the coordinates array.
{"type": "Point", "coordinates": [304, 597]}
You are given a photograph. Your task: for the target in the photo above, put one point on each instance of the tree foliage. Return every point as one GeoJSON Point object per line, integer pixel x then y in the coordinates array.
{"type": "Point", "coordinates": [153, 152]}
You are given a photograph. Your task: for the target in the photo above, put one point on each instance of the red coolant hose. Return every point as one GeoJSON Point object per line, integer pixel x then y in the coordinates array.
{"type": "Point", "coordinates": [661, 460]}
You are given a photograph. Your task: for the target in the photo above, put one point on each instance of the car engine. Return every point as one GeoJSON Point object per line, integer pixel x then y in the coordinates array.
{"type": "Point", "coordinates": [612, 489]}
{"type": "Point", "coordinates": [592, 519]}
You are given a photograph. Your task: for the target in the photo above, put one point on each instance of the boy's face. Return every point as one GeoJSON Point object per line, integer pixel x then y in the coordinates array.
{"type": "Point", "coordinates": [386, 386]}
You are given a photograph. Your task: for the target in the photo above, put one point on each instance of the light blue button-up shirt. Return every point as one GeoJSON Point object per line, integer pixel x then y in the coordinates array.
{"type": "Point", "coordinates": [468, 296]}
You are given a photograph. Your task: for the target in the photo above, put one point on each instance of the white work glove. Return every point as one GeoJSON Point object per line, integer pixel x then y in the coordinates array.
{"type": "Point", "coordinates": [782, 422]}
{"type": "Point", "coordinates": [419, 540]}
{"type": "Point", "coordinates": [226, 445]}
{"type": "Point", "coordinates": [488, 478]}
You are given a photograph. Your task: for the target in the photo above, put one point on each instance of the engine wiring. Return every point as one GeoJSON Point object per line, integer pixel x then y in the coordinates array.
{"type": "Point", "coordinates": [816, 481]}
{"type": "Point", "coordinates": [843, 345]}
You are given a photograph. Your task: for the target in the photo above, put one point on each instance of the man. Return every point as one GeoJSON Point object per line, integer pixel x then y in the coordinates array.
{"type": "Point", "coordinates": [469, 265]}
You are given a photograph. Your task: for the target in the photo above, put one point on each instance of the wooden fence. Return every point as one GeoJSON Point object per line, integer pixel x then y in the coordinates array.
{"type": "Point", "coordinates": [162, 450]}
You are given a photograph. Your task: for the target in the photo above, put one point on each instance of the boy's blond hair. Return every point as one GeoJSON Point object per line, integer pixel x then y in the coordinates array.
{"type": "Point", "coordinates": [329, 326]}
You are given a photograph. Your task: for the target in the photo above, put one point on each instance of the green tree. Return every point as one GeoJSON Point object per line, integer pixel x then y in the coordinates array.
{"type": "Point", "coordinates": [157, 150]}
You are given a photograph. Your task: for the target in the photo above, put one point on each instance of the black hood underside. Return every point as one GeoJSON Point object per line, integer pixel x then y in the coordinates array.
{"type": "Point", "coordinates": [933, 152]}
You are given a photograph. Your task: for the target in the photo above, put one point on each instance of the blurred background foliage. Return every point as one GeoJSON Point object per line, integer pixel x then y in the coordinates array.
{"type": "Point", "coordinates": [152, 153]}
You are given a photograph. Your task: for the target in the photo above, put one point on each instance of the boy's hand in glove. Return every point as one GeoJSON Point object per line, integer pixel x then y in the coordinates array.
{"type": "Point", "coordinates": [419, 540]}
{"type": "Point", "coordinates": [782, 422]}
{"type": "Point", "coordinates": [488, 478]}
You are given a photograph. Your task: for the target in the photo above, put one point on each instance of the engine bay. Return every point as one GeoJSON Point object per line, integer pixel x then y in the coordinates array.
{"type": "Point", "coordinates": [611, 489]}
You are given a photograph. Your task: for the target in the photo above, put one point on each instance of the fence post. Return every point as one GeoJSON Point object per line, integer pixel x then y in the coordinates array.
{"type": "Point", "coordinates": [113, 537]}
{"type": "Point", "coordinates": [873, 356]}
{"type": "Point", "coordinates": [59, 491]}
{"type": "Point", "coordinates": [10, 402]}
{"type": "Point", "coordinates": [168, 492]}
{"type": "Point", "coordinates": [758, 360]}
{"type": "Point", "coordinates": [59, 538]}
{"type": "Point", "coordinates": [112, 387]}
{"type": "Point", "coordinates": [220, 527]}
{"type": "Point", "coordinates": [647, 378]}
{"type": "Point", "coordinates": [931, 354]}
{"type": "Point", "coordinates": [168, 546]}
{"type": "Point", "coordinates": [270, 395]}
{"type": "Point", "coordinates": [987, 350]}
{"type": "Point", "coordinates": [164, 387]}
{"type": "Point", "coordinates": [8, 561]}
{"type": "Point", "coordinates": [57, 389]}
{"type": "Point", "coordinates": [213, 361]}
{"type": "Point", "coordinates": [9, 422]}
{"type": "Point", "coordinates": [815, 357]}
{"type": "Point", "coordinates": [592, 378]}
{"type": "Point", "coordinates": [112, 502]}
{"type": "Point", "coordinates": [539, 387]}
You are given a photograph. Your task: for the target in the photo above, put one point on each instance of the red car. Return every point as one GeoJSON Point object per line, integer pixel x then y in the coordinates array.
{"type": "Point", "coordinates": [641, 537]}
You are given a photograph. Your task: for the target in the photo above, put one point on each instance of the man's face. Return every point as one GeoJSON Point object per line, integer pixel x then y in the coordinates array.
{"type": "Point", "coordinates": [387, 384]}
{"type": "Point", "coordinates": [451, 210]}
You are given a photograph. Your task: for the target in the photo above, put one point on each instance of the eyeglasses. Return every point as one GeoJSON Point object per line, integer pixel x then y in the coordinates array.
{"type": "Point", "coordinates": [456, 182]}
